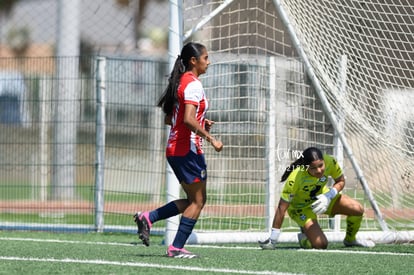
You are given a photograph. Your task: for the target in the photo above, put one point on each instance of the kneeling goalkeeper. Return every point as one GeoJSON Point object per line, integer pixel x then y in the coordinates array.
{"type": "Point", "coordinates": [305, 195]}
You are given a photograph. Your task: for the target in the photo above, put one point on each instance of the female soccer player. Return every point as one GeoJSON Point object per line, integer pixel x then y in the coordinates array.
{"type": "Point", "coordinates": [185, 104]}
{"type": "Point", "coordinates": [305, 195]}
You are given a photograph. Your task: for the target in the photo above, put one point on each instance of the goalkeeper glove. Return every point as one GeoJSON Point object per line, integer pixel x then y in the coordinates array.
{"type": "Point", "coordinates": [322, 201]}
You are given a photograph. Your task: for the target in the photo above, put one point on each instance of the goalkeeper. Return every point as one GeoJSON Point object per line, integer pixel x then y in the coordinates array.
{"type": "Point", "coordinates": [305, 195]}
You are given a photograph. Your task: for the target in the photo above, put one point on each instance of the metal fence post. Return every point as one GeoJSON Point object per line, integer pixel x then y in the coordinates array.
{"type": "Point", "coordinates": [100, 144]}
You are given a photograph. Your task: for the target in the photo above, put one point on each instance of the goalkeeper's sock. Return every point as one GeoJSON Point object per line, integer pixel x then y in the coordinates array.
{"type": "Point", "coordinates": [353, 224]}
{"type": "Point", "coordinates": [274, 235]}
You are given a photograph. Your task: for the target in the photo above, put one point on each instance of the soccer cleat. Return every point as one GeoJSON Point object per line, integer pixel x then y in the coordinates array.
{"type": "Point", "coordinates": [174, 252]}
{"type": "Point", "coordinates": [303, 241]}
{"type": "Point", "coordinates": [267, 244]}
{"type": "Point", "coordinates": [144, 226]}
{"type": "Point", "coordinates": [360, 243]}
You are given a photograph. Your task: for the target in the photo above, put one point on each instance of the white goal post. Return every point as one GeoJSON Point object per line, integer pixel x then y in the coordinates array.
{"type": "Point", "coordinates": [273, 87]}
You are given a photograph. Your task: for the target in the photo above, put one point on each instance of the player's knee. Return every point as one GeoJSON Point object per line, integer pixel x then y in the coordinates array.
{"type": "Point", "coordinates": [355, 207]}
{"type": "Point", "coordinates": [360, 209]}
{"type": "Point", "coordinates": [199, 204]}
{"type": "Point", "coordinates": [320, 244]}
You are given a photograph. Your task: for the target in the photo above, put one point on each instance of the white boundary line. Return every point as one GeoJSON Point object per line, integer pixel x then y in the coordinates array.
{"type": "Point", "coordinates": [62, 241]}
{"type": "Point", "coordinates": [171, 267]}
{"type": "Point", "coordinates": [210, 246]}
{"type": "Point", "coordinates": [314, 250]}
{"type": "Point", "coordinates": [116, 263]}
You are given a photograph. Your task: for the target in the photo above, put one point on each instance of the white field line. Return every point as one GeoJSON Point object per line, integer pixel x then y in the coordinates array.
{"type": "Point", "coordinates": [314, 250]}
{"type": "Point", "coordinates": [116, 263]}
{"type": "Point", "coordinates": [211, 246]}
{"type": "Point", "coordinates": [176, 267]}
{"type": "Point", "coordinates": [62, 241]}
{"type": "Point", "coordinates": [169, 267]}
{"type": "Point", "coordinates": [357, 252]}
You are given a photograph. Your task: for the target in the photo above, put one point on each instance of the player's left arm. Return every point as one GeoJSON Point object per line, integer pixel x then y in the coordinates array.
{"type": "Point", "coordinates": [323, 200]}
{"type": "Point", "coordinates": [337, 174]}
{"type": "Point", "coordinates": [339, 183]}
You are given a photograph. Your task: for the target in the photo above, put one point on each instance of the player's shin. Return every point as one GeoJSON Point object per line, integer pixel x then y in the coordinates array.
{"type": "Point", "coordinates": [353, 224]}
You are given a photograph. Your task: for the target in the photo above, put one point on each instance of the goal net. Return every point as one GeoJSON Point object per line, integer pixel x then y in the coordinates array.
{"type": "Point", "coordinates": [289, 74]}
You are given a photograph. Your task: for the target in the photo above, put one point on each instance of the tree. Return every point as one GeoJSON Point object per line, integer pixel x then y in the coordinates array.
{"type": "Point", "coordinates": [6, 7]}
{"type": "Point", "coordinates": [139, 7]}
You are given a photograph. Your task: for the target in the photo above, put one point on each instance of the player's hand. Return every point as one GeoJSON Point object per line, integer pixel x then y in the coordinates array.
{"type": "Point", "coordinates": [208, 124]}
{"type": "Point", "coordinates": [321, 204]}
{"type": "Point", "coordinates": [217, 144]}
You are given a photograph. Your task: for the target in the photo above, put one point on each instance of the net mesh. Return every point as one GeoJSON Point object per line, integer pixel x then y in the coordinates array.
{"type": "Point", "coordinates": [375, 40]}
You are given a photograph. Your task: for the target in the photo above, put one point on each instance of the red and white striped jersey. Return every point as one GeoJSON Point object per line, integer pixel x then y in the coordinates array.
{"type": "Point", "coordinates": [181, 139]}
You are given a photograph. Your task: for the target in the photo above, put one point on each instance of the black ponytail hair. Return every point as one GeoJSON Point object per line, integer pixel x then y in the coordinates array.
{"type": "Point", "coordinates": [182, 64]}
{"type": "Point", "coordinates": [309, 155]}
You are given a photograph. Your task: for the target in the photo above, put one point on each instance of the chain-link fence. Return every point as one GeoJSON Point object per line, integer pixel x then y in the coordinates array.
{"type": "Point", "coordinates": [261, 98]}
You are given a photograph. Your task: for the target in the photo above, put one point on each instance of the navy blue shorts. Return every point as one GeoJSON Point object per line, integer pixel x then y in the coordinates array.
{"type": "Point", "coordinates": [189, 168]}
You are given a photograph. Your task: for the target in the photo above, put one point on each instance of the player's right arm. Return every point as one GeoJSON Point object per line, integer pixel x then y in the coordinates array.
{"type": "Point", "coordinates": [278, 218]}
{"type": "Point", "coordinates": [280, 214]}
{"type": "Point", "coordinates": [192, 124]}
{"type": "Point", "coordinates": [284, 202]}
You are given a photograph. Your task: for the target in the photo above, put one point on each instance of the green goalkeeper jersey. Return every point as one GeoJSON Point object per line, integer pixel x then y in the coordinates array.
{"type": "Point", "coordinates": [301, 189]}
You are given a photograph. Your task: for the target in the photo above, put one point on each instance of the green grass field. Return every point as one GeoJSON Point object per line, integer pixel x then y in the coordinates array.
{"type": "Point", "coordinates": [96, 253]}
